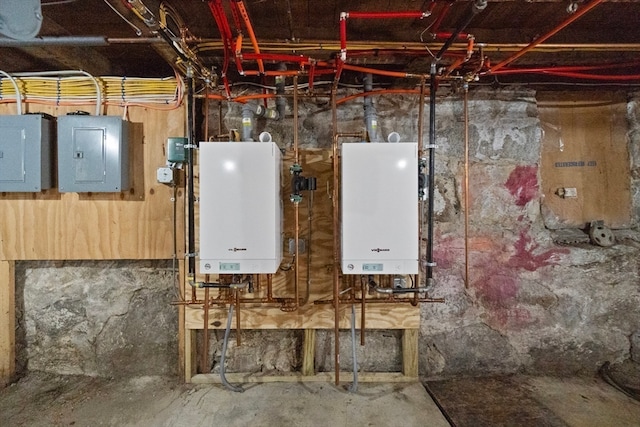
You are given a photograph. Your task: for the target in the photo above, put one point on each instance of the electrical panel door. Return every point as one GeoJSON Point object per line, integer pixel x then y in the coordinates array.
{"type": "Point", "coordinates": [93, 153]}
{"type": "Point", "coordinates": [379, 207]}
{"type": "Point", "coordinates": [240, 207]}
{"type": "Point", "coordinates": [26, 142]}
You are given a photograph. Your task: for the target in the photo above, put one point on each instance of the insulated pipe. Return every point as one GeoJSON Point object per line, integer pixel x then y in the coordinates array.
{"type": "Point", "coordinates": [336, 242]}
{"type": "Point", "coordinates": [190, 182]}
{"type": "Point", "coordinates": [476, 7]}
{"type": "Point", "coordinates": [17, 90]}
{"type": "Point", "coordinates": [370, 113]}
{"type": "Point", "coordinates": [432, 172]}
{"type": "Point", "coordinates": [420, 159]}
{"type": "Point", "coordinates": [546, 36]}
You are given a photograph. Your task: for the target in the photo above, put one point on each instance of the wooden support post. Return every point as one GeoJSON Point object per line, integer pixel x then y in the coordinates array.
{"type": "Point", "coordinates": [410, 353]}
{"type": "Point", "coordinates": [7, 322]}
{"type": "Point", "coordinates": [309, 352]}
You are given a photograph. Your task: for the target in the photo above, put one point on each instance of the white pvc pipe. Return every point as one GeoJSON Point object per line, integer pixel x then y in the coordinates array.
{"type": "Point", "coordinates": [69, 73]}
{"type": "Point", "coordinates": [17, 89]}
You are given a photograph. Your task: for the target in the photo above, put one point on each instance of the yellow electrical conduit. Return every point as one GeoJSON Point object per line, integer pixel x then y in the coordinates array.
{"type": "Point", "coordinates": [155, 93]}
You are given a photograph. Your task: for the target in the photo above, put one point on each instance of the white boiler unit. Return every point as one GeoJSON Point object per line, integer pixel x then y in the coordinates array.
{"type": "Point", "coordinates": [379, 208]}
{"type": "Point", "coordinates": [240, 207]}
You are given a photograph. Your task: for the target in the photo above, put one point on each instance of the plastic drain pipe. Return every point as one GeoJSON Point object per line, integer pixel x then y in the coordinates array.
{"type": "Point", "coordinates": [370, 113]}
{"type": "Point", "coordinates": [251, 110]}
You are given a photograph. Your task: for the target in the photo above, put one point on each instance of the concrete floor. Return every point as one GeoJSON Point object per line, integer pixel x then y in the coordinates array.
{"type": "Point", "coordinates": [46, 400]}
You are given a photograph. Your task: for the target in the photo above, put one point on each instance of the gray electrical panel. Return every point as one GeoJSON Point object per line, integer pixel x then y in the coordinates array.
{"type": "Point", "coordinates": [93, 154]}
{"type": "Point", "coordinates": [26, 144]}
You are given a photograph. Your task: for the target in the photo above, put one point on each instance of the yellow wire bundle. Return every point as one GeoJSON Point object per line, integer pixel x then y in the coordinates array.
{"type": "Point", "coordinates": [158, 93]}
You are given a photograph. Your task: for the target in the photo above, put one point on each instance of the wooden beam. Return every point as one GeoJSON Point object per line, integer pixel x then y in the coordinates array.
{"type": "Point", "coordinates": [410, 353]}
{"type": "Point", "coordinates": [309, 352]}
{"type": "Point", "coordinates": [7, 322]}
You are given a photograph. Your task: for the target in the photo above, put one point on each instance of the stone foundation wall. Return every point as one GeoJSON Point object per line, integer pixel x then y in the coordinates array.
{"type": "Point", "coordinates": [530, 305]}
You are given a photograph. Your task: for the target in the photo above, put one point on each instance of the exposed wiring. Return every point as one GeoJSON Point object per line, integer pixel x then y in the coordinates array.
{"type": "Point", "coordinates": [225, 342]}
{"type": "Point", "coordinates": [131, 24]}
{"type": "Point", "coordinates": [161, 94]}
{"type": "Point", "coordinates": [16, 91]}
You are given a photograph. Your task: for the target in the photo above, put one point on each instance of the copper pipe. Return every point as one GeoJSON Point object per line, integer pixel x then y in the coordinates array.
{"type": "Point", "coordinates": [237, 304]}
{"type": "Point", "coordinates": [466, 185]}
{"type": "Point", "coordinates": [205, 337]}
{"type": "Point", "coordinates": [546, 36]}
{"type": "Point", "coordinates": [420, 155]}
{"type": "Point", "coordinates": [336, 242]}
{"type": "Point", "coordinates": [270, 286]}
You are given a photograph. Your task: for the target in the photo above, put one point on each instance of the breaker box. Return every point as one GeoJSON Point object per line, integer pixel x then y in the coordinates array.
{"type": "Point", "coordinates": [240, 207]}
{"type": "Point", "coordinates": [93, 154]}
{"type": "Point", "coordinates": [26, 142]}
{"type": "Point", "coordinates": [379, 207]}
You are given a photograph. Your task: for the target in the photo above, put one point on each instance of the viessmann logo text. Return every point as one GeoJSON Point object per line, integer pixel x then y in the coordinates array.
{"type": "Point", "coordinates": [380, 250]}
{"type": "Point", "coordinates": [237, 249]}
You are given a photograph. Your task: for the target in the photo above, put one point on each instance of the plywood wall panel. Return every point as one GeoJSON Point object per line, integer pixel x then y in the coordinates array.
{"type": "Point", "coordinates": [585, 147]}
{"type": "Point", "coordinates": [137, 224]}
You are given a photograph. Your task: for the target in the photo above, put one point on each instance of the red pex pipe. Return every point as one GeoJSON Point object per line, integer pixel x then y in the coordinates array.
{"type": "Point", "coordinates": [440, 18]}
{"type": "Point", "coordinates": [278, 57]}
{"type": "Point", "coordinates": [252, 36]}
{"type": "Point", "coordinates": [386, 15]}
{"type": "Point", "coordinates": [543, 38]}
{"type": "Point", "coordinates": [446, 35]}
{"type": "Point", "coordinates": [601, 77]}
{"type": "Point", "coordinates": [396, 74]}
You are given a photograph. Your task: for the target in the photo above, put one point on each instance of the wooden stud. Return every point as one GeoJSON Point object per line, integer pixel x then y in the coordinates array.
{"type": "Point", "coordinates": [308, 352]}
{"type": "Point", "coordinates": [410, 353]}
{"type": "Point", "coordinates": [7, 322]}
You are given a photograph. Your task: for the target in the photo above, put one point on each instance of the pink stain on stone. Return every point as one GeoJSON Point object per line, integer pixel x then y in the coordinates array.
{"type": "Point", "coordinates": [523, 184]}
{"type": "Point", "coordinates": [526, 259]}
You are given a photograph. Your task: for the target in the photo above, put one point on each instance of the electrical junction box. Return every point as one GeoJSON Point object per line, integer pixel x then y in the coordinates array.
{"type": "Point", "coordinates": [240, 207]}
{"type": "Point", "coordinates": [93, 154]}
{"type": "Point", "coordinates": [26, 145]}
{"type": "Point", "coordinates": [379, 207]}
